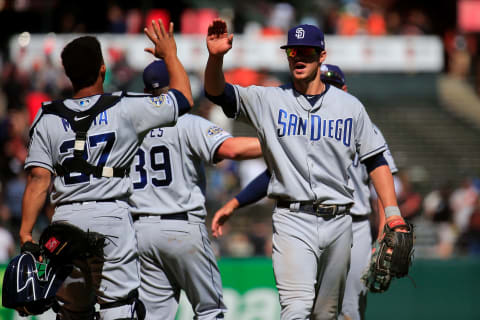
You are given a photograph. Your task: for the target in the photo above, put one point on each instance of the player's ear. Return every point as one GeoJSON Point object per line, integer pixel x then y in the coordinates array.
{"type": "Point", "coordinates": [322, 56]}
{"type": "Point", "coordinates": [103, 71]}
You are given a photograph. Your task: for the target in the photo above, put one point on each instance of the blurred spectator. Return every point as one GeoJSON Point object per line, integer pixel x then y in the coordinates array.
{"type": "Point", "coordinates": [349, 21]}
{"type": "Point", "coordinates": [258, 234]}
{"type": "Point", "coordinates": [7, 245]}
{"type": "Point", "coordinates": [393, 23]}
{"type": "Point", "coordinates": [462, 202]}
{"type": "Point", "coordinates": [473, 231]}
{"type": "Point", "coordinates": [13, 83]}
{"type": "Point", "coordinates": [122, 74]}
{"type": "Point", "coordinates": [196, 21]}
{"type": "Point", "coordinates": [436, 205]}
{"type": "Point", "coordinates": [460, 49]}
{"type": "Point", "coordinates": [376, 25]}
{"type": "Point", "coordinates": [281, 17]}
{"type": "Point", "coordinates": [238, 245]}
{"type": "Point", "coordinates": [409, 201]}
{"type": "Point", "coordinates": [417, 23]}
{"type": "Point", "coordinates": [13, 195]}
{"type": "Point", "coordinates": [116, 19]}
{"type": "Point", "coordinates": [134, 21]}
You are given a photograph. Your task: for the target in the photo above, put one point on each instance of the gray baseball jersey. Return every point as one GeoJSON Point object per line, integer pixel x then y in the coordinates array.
{"type": "Point", "coordinates": [300, 142]}
{"type": "Point", "coordinates": [168, 167]}
{"type": "Point", "coordinates": [359, 178]}
{"type": "Point", "coordinates": [112, 140]}
{"type": "Point", "coordinates": [308, 150]}
{"type": "Point", "coordinates": [168, 178]}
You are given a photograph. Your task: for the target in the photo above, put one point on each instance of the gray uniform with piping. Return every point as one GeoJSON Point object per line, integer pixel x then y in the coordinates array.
{"type": "Point", "coordinates": [99, 204]}
{"type": "Point", "coordinates": [168, 206]}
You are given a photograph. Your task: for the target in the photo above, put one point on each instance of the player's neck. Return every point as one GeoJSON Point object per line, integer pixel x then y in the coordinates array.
{"type": "Point", "coordinates": [94, 89]}
{"type": "Point", "coordinates": [309, 87]}
{"type": "Point", "coordinates": [89, 91]}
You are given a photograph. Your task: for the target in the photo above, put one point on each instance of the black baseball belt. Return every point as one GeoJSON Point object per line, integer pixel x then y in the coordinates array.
{"type": "Point", "coordinates": [66, 203]}
{"type": "Point", "coordinates": [316, 209]}
{"type": "Point", "coordinates": [171, 216]}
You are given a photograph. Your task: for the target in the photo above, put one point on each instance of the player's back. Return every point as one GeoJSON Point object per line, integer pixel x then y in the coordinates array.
{"type": "Point", "coordinates": [112, 141]}
{"type": "Point", "coordinates": [168, 170]}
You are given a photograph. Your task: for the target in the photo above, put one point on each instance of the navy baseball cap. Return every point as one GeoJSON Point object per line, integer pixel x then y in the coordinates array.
{"type": "Point", "coordinates": [155, 75]}
{"type": "Point", "coordinates": [331, 73]}
{"type": "Point", "coordinates": [305, 35]}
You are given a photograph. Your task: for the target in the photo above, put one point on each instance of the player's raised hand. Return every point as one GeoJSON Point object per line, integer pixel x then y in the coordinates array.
{"type": "Point", "coordinates": [222, 216]}
{"type": "Point", "coordinates": [219, 42]}
{"type": "Point", "coordinates": [164, 41]}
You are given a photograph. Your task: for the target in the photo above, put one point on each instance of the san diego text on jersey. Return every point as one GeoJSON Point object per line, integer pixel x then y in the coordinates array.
{"type": "Point", "coordinates": [290, 124]}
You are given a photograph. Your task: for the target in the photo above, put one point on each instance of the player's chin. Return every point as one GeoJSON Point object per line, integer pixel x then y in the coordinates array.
{"type": "Point", "coordinates": [299, 74]}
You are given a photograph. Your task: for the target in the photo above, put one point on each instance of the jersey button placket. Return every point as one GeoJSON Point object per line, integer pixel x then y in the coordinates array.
{"type": "Point", "coordinates": [310, 160]}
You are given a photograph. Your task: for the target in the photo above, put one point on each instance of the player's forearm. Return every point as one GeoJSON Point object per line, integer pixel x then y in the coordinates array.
{"type": "Point", "coordinates": [383, 182]}
{"type": "Point", "coordinates": [380, 218]}
{"type": "Point", "coordinates": [178, 77]}
{"type": "Point", "coordinates": [214, 78]}
{"type": "Point", "coordinates": [34, 198]}
{"type": "Point", "coordinates": [240, 148]}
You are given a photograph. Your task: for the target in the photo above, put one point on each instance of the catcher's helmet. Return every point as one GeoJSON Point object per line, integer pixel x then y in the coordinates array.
{"type": "Point", "coordinates": [30, 286]}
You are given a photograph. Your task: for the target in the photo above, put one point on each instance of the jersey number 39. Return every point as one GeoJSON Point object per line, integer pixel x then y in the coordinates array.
{"type": "Point", "coordinates": [159, 167]}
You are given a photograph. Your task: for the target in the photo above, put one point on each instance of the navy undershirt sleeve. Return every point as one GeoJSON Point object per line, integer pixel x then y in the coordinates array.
{"type": "Point", "coordinates": [255, 190]}
{"type": "Point", "coordinates": [226, 100]}
{"type": "Point", "coordinates": [183, 104]}
{"type": "Point", "coordinates": [374, 162]}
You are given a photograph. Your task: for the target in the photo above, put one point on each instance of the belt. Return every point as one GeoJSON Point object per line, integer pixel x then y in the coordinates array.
{"type": "Point", "coordinates": [316, 209]}
{"type": "Point", "coordinates": [359, 217]}
{"type": "Point", "coordinates": [172, 216]}
{"type": "Point", "coordinates": [85, 202]}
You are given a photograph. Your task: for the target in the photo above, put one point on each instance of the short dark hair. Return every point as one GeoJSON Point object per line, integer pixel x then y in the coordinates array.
{"type": "Point", "coordinates": [82, 59]}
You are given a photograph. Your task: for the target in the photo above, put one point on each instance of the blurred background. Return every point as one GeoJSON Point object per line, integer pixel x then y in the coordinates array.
{"type": "Point", "coordinates": [414, 65]}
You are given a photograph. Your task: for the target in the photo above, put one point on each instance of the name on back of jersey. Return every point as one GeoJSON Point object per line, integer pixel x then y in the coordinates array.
{"type": "Point", "coordinates": [315, 127]}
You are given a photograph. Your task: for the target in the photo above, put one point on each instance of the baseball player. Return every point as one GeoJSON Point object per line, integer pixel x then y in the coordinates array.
{"type": "Point", "coordinates": [86, 144]}
{"type": "Point", "coordinates": [354, 302]}
{"type": "Point", "coordinates": [309, 132]}
{"type": "Point", "coordinates": [168, 207]}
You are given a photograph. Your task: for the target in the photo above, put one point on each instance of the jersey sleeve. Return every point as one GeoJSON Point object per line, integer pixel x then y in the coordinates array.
{"type": "Point", "coordinates": [39, 153]}
{"type": "Point", "coordinates": [387, 153]}
{"type": "Point", "coordinates": [203, 137]}
{"type": "Point", "coordinates": [255, 190]}
{"type": "Point", "coordinates": [368, 139]}
{"type": "Point", "coordinates": [249, 101]}
{"type": "Point", "coordinates": [149, 112]}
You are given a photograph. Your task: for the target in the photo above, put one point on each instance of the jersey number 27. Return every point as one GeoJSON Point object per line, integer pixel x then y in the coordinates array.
{"type": "Point", "coordinates": [94, 141]}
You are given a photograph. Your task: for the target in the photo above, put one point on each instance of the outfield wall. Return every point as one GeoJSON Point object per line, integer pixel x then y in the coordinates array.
{"type": "Point", "coordinates": [445, 289]}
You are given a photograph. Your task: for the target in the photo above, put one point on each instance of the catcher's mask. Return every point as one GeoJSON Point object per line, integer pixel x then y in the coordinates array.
{"type": "Point", "coordinates": [30, 286]}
